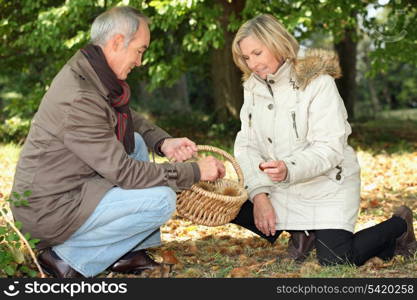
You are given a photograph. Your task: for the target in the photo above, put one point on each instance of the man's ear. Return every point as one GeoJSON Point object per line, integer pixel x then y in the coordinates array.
{"type": "Point", "coordinates": [117, 42]}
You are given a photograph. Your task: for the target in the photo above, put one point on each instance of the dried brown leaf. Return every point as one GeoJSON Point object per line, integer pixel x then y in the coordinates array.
{"type": "Point", "coordinates": [239, 272]}
{"type": "Point", "coordinates": [168, 257]}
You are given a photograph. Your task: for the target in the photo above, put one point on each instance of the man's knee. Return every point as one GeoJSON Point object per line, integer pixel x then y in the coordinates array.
{"type": "Point", "coordinates": [140, 144]}
{"type": "Point", "coordinates": [168, 200]}
{"type": "Point", "coordinates": [141, 150]}
{"type": "Point", "coordinates": [139, 139]}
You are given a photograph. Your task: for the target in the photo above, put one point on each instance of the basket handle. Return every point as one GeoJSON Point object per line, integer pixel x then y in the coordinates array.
{"type": "Point", "coordinates": [227, 156]}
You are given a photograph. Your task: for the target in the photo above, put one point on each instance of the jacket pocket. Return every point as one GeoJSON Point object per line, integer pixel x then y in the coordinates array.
{"type": "Point", "coordinates": [349, 167]}
{"type": "Point", "coordinates": [318, 188]}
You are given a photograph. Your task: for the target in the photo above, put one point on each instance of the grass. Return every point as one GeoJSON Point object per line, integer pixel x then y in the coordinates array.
{"type": "Point", "coordinates": [387, 152]}
{"type": "Point", "coordinates": [385, 136]}
{"type": "Point", "coordinates": [8, 158]}
{"type": "Point", "coordinates": [400, 114]}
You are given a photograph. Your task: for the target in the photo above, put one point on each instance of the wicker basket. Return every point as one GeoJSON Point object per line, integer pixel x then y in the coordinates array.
{"type": "Point", "coordinates": [213, 203]}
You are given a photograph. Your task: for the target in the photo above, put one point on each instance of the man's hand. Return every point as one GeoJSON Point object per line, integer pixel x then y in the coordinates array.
{"type": "Point", "coordinates": [276, 170]}
{"type": "Point", "coordinates": [264, 214]}
{"type": "Point", "coordinates": [211, 168]}
{"type": "Point", "coordinates": [178, 149]}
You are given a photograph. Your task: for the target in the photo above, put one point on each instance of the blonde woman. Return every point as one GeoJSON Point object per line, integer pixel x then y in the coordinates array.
{"type": "Point", "coordinates": [300, 172]}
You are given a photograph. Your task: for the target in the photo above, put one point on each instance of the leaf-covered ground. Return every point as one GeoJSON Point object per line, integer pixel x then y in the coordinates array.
{"type": "Point", "coordinates": [389, 179]}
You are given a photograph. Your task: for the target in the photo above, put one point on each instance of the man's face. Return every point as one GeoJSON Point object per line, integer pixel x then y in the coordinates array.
{"type": "Point", "coordinates": [124, 58]}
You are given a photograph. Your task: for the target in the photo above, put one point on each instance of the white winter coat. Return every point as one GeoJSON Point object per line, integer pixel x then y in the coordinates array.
{"type": "Point", "coordinates": [297, 115]}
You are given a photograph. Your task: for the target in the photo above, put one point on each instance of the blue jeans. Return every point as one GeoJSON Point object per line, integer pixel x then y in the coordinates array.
{"type": "Point", "coordinates": [123, 221]}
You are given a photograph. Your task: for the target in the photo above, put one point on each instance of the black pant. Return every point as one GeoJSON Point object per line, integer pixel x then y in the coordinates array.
{"type": "Point", "coordinates": [338, 246]}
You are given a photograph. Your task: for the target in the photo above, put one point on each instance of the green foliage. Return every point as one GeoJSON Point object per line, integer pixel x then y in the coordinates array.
{"type": "Point", "coordinates": [13, 260]}
{"type": "Point", "coordinates": [14, 129]}
{"type": "Point", "coordinates": [394, 34]}
{"type": "Point", "coordinates": [184, 32]}
{"type": "Point", "coordinates": [202, 129]}
{"type": "Point", "coordinates": [37, 38]}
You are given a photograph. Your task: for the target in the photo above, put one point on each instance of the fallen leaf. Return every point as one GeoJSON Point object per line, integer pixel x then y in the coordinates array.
{"type": "Point", "coordinates": [239, 272]}
{"type": "Point", "coordinates": [190, 228]}
{"type": "Point", "coordinates": [192, 248]}
{"type": "Point", "coordinates": [374, 203]}
{"type": "Point", "coordinates": [215, 268]}
{"type": "Point", "coordinates": [247, 270]}
{"type": "Point", "coordinates": [373, 263]}
{"type": "Point", "coordinates": [168, 257]}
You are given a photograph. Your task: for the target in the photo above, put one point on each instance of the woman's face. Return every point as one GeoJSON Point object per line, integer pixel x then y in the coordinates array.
{"type": "Point", "coordinates": [257, 56]}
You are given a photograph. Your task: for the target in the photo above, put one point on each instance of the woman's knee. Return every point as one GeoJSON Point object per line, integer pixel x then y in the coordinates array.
{"type": "Point", "coordinates": [333, 247]}
{"type": "Point", "coordinates": [327, 258]}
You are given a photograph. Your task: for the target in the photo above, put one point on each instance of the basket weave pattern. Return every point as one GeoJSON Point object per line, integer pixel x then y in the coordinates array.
{"type": "Point", "coordinates": [213, 203]}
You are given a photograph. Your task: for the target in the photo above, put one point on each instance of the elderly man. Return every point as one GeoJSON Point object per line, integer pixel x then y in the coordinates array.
{"type": "Point", "coordinates": [97, 202]}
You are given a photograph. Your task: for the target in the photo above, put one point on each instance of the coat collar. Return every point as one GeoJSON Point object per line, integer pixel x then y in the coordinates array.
{"type": "Point", "coordinates": [280, 76]}
{"type": "Point", "coordinates": [80, 65]}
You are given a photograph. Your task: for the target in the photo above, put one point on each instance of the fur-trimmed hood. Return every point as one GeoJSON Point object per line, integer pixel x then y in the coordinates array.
{"type": "Point", "coordinates": [316, 62]}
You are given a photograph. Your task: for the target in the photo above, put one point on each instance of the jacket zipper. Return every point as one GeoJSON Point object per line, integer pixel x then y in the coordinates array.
{"type": "Point", "coordinates": [252, 165]}
{"type": "Point", "coordinates": [270, 89]}
{"type": "Point", "coordinates": [294, 124]}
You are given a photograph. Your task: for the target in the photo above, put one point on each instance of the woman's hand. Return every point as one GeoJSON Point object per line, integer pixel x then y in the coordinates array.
{"type": "Point", "coordinates": [276, 170]}
{"type": "Point", "coordinates": [264, 214]}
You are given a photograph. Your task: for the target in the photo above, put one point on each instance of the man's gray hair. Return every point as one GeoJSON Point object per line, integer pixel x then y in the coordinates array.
{"type": "Point", "coordinates": [123, 20]}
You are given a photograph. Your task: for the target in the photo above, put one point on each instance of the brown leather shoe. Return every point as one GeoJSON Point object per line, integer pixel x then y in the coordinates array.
{"type": "Point", "coordinates": [300, 245]}
{"type": "Point", "coordinates": [406, 244]}
{"type": "Point", "coordinates": [134, 262]}
{"type": "Point", "coordinates": [52, 264]}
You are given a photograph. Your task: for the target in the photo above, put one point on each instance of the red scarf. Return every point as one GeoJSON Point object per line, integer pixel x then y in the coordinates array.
{"type": "Point", "coordinates": [119, 94]}
{"type": "Point", "coordinates": [122, 117]}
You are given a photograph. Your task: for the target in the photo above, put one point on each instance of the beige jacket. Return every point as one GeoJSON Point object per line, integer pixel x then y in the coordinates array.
{"type": "Point", "coordinates": [72, 157]}
{"type": "Point", "coordinates": [298, 116]}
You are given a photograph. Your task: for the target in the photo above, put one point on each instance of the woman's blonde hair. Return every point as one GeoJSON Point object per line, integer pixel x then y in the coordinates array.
{"type": "Point", "coordinates": [268, 30]}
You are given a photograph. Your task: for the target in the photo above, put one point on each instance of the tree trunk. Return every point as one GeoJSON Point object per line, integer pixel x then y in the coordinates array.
{"type": "Point", "coordinates": [177, 95]}
{"type": "Point", "coordinates": [387, 96]}
{"type": "Point", "coordinates": [374, 96]}
{"type": "Point", "coordinates": [227, 84]}
{"type": "Point", "coordinates": [346, 50]}
{"type": "Point", "coordinates": [174, 98]}
{"type": "Point", "coordinates": [371, 84]}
